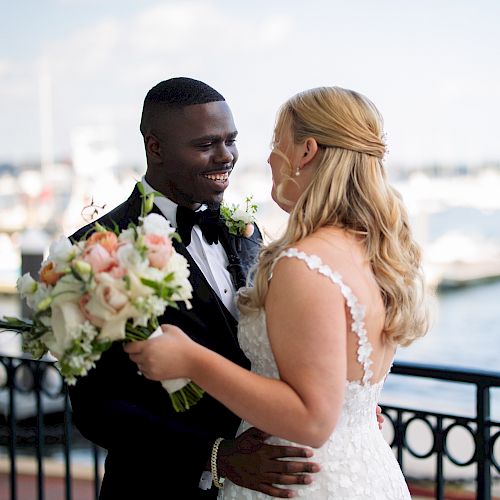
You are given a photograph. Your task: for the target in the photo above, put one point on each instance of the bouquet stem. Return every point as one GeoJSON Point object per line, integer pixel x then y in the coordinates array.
{"type": "Point", "coordinates": [185, 398]}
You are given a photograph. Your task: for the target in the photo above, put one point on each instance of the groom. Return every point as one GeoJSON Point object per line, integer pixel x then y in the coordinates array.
{"type": "Point", "coordinates": [154, 452]}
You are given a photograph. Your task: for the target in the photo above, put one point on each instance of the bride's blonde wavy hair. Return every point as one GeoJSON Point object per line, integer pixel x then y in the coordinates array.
{"type": "Point", "coordinates": [349, 190]}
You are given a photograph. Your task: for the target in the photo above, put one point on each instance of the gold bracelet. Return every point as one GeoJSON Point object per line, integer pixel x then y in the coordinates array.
{"type": "Point", "coordinates": [218, 481]}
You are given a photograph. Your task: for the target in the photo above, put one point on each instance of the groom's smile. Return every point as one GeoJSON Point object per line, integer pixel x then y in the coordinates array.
{"type": "Point", "coordinates": [220, 178]}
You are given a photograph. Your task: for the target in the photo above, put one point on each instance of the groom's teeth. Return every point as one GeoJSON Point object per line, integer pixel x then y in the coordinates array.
{"type": "Point", "coordinates": [217, 177]}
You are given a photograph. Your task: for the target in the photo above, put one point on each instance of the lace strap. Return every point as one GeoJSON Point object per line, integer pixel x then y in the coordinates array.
{"type": "Point", "coordinates": [356, 309]}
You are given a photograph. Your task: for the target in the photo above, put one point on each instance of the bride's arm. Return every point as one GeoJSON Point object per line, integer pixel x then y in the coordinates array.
{"type": "Point", "coordinates": [307, 330]}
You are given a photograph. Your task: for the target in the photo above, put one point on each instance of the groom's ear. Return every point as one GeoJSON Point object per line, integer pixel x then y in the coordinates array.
{"type": "Point", "coordinates": [153, 147]}
{"type": "Point", "coordinates": [309, 150]}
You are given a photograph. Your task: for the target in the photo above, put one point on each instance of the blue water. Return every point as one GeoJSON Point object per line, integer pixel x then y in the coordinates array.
{"type": "Point", "coordinates": [465, 332]}
{"type": "Point", "coordinates": [470, 221]}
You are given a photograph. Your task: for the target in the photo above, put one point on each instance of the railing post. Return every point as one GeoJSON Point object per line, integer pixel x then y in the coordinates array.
{"type": "Point", "coordinates": [67, 443]}
{"type": "Point", "coordinates": [37, 370]}
{"type": "Point", "coordinates": [482, 442]}
{"type": "Point", "coordinates": [12, 429]}
{"type": "Point", "coordinates": [400, 437]}
{"type": "Point", "coordinates": [439, 459]}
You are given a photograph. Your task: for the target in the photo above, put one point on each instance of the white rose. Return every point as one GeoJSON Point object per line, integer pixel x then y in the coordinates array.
{"type": "Point", "coordinates": [109, 308]}
{"type": "Point", "coordinates": [127, 236]}
{"type": "Point", "coordinates": [66, 320]}
{"type": "Point", "coordinates": [156, 224]}
{"type": "Point", "coordinates": [61, 252]}
{"type": "Point", "coordinates": [240, 214]}
{"type": "Point", "coordinates": [129, 258]}
{"type": "Point", "coordinates": [26, 285]}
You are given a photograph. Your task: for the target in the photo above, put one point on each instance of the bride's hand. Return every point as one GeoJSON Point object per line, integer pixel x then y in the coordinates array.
{"type": "Point", "coordinates": [163, 357]}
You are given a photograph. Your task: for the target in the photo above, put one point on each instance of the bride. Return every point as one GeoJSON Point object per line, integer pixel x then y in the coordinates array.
{"type": "Point", "coordinates": [331, 301]}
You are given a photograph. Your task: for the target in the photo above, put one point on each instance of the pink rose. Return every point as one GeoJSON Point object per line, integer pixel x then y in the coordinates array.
{"type": "Point", "coordinates": [99, 258]}
{"type": "Point", "coordinates": [159, 249]}
{"type": "Point", "coordinates": [117, 271]}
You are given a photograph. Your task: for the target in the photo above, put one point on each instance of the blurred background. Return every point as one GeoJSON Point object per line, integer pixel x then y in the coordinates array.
{"type": "Point", "coordinates": [74, 73]}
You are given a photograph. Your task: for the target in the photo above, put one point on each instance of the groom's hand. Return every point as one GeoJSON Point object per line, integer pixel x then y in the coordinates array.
{"type": "Point", "coordinates": [249, 462]}
{"type": "Point", "coordinates": [380, 417]}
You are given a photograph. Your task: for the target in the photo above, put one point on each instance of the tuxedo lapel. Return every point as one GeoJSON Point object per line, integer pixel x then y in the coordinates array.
{"type": "Point", "coordinates": [244, 253]}
{"type": "Point", "coordinates": [234, 267]}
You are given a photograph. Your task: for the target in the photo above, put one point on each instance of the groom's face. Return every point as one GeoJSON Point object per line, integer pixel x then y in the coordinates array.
{"type": "Point", "coordinates": [197, 150]}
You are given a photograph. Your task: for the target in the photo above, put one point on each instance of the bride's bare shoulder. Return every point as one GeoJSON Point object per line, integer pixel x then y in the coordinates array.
{"type": "Point", "coordinates": [329, 241]}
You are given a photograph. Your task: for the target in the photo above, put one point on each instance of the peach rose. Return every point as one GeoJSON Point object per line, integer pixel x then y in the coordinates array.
{"type": "Point", "coordinates": [108, 308]}
{"type": "Point", "coordinates": [49, 275]}
{"type": "Point", "coordinates": [159, 249]}
{"type": "Point", "coordinates": [99, 258]}
{"type": "Point", "coordinates": [106, 239]}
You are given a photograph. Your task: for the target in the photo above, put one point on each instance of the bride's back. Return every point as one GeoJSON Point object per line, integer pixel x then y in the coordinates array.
{"type": "Point", "coordinates": [345, 254]}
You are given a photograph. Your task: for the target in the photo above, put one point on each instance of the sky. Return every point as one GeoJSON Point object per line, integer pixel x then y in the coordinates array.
{"type": "Point", "coordinates": [432, 67]}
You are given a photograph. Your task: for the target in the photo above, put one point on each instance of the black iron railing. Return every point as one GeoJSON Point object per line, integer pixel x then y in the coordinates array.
{"type": "Point", "coordinates": [35, 423]}
{"type": "Point", "coordinates": [35, 419]}
{"type": "Point", "coordinates": [483, 430]}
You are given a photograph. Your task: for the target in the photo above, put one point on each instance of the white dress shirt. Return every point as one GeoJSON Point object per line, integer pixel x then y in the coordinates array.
{"type": "Point", "coordinates": [211, 259]}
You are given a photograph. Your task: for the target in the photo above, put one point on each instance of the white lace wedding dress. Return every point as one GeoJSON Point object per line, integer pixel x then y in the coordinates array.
{"type": "Point", "coordinates": [356, 462]}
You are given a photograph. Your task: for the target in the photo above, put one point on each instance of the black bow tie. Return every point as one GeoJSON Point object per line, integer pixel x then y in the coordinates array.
{"type": "Point", "coordinates": [208, 220]}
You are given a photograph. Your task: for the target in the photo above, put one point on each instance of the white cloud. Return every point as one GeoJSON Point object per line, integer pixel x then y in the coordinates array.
{"type": "Point", "coordinates": [183, 26]}
{"type": "Point", "coordinates": [87, 52]}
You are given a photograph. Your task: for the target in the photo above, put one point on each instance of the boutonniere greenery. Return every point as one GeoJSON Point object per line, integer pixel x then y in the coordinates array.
{"type": "Point", "coordinates": [240, 221]}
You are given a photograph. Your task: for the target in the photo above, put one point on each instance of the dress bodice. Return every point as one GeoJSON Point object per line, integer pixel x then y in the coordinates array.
{"type": "Point", "coordinates": [356, 462]}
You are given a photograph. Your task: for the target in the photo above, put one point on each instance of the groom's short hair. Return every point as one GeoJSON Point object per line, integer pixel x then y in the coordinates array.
{"type": "Point", "coordinates": [173, 94]}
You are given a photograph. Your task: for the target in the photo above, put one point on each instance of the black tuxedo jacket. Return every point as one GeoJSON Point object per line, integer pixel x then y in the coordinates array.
{"type": "Point", "coordinates": [154, 452]}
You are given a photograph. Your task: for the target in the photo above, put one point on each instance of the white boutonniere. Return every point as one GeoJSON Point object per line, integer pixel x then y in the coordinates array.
{"type": "Point", "coordinates": [240, 221]}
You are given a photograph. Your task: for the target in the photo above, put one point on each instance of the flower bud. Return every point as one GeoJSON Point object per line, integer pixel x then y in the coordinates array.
{"type": "Point", "coordinates": [148, 203]}
{"type": "Point", "coordinates": [82, 268]}
{"type": "Point", "coordinates": [44, 304]}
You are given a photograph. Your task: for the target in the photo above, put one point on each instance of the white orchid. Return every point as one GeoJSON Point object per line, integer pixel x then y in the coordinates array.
{"type": "Point", "coordinates": [61, 252]}
{"type": "Point", "coordinates": [26, 285]}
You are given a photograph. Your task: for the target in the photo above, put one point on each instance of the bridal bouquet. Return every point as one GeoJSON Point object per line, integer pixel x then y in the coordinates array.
{"type": "Point", "coordinates": [110, 286]}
